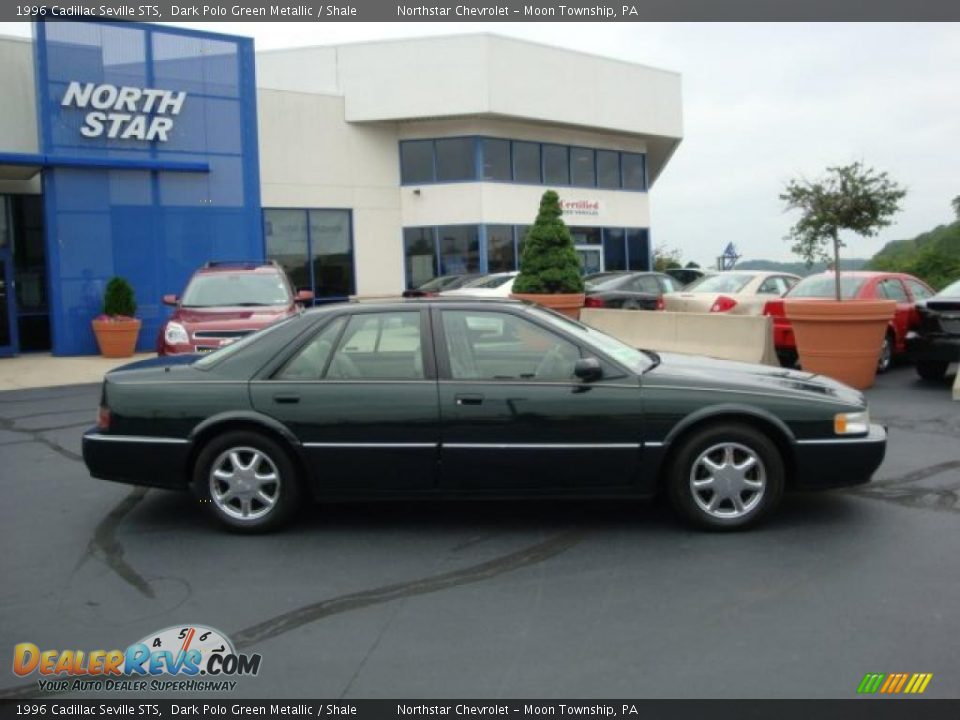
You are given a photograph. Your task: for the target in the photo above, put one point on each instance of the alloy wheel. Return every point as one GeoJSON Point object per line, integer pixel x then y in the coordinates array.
{"type": "Point", "coordinates": [244, 483]}
{"type": "Point", "coordinates": [728, 480]}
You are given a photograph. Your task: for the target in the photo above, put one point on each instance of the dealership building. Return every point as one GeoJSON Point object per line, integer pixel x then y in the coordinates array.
{"type": "Point", "coordinates": [145, 151]}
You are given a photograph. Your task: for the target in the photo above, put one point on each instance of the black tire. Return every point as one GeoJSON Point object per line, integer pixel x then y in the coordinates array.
{"type": "Point", "coordinates": [275, 460]}
{"type": "Point", "coordinates": [687, 464]}
{"type": "Point", "coordinates": [932, 370]}
{"type": "Point", "coordinates": [885, 361]}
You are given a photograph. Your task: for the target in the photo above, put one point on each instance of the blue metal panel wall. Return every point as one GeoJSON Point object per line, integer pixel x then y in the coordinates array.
{"type": "Point", "coordinates": [151, 227]}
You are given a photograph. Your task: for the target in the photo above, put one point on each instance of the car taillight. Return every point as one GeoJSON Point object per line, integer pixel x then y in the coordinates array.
{"type": "Point", "coordinates": [103, 418]}
{"type": "Point", "coordinates": [593, 302]}
{"type": "Point", "coordinates": [660, 305]}
{"type": "Point", "coordinates": [722, 304]}
{"type": "Point", "coordinates": [773, 308]}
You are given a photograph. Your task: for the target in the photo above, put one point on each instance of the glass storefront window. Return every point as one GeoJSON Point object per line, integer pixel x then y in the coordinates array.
{"type": "Point", "coordinates": [614, 249]}
{"type": "Point", "coordinates": [582, 169]}
{"type": "Point", "coordinates": [416, 161]}
{"type": "Point", "coordinates": [608, 169]}
{"type": "Point", "coordinates": [459, 249]}
{"type": "Point", "coordinates": [634, 172]}
{"type": "Point", "coordinates": [585, 235]}
{"type": "Point", "coordinates": [315, 247]}
{"type": "Point", "coordinates": [500, 251]}
{"type": "Point", "coordinates": [638, 249]}
{"type": "Point", "coordinates": [496, 159]}
{"type": "Point", "coordinates": [285, 232]}
{"type": "Point", "coordinates": [456, 159]}
{"type": "Point", "coordinates": [556, 165]}
{"type": "Point", "coordinates": [526, 162]}
{"type": "Point", "coordinates": [331, 250]}
{"type": "Point", "coordinates": [419, 255]}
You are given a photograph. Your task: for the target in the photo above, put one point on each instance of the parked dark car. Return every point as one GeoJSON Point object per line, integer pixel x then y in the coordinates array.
{"type": "Point", "coordinates": [225, 301]}
{"type": "Point", "coordinates": [470, 398]}
{"type": "Point", "coordinates": [628, 290]}
{"type": "Point", "coordinates": [439, 284]}
{"type": "Point", "coordinates": [860, 285]}
{"type": "Point", "coordinates": [935, 343]}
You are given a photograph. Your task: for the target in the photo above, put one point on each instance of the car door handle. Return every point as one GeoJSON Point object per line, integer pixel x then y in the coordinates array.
{"type": "Point", "coordinates": [469, 400]}
{"type": "Point", "coordinates": [286, 399]}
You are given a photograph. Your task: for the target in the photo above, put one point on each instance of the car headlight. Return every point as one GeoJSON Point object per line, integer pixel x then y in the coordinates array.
{"type": "Point", "coordinates": [175, 334]}
{"type": "Point", "coordinates": [856, 423]}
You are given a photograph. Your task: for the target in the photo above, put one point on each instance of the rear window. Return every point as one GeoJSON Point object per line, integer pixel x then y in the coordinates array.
{"type": "Point", "coordinates": [824, 286]}
{"type": "Point", "coordinates": [490, 281]}
{"type": "Point", "coordinates": [725, 283]}
{"type": "Point", "coordinates": [605, 282]}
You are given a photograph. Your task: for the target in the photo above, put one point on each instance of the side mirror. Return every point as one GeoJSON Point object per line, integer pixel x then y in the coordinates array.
{"type": "Point", "coordinates": [170, 300]}
{"type": "Point", "coordinates": [588, 369]}
{"type": "Point", "coordinates": [304, 296]}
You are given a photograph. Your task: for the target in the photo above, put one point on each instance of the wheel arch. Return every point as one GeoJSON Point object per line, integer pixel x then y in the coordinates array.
{"type": "Point", "coordinates": [252, 422]}
{"type": "Point", "coordinates": [767, 423]}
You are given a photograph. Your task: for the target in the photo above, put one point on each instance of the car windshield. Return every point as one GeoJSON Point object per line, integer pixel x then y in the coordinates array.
{"type": "Point", "coordinates": [722, 283]}
{"type": "Point", "coordinates": [236, 289]}
{"type": "Point", "coordinates": [225, 351]}
{"type": "Point", "coordinates": [439, 283]}
{"type": "Point", "coordinates": [951, 290]}
{"type": "Point", "coordinates": [604, 281]}
{"type": "Point", "coordinates": [489, 281]}
{"type": "Point", "coordinates": [636, 360]}
{"type": "Point", "coordinates": [824, 286]}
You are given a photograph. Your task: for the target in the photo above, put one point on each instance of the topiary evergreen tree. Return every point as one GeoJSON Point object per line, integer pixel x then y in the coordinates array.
{"type": "Point", "coordinates": [549, 264]}
{"type": "Point", "coordinates": [118, 299]}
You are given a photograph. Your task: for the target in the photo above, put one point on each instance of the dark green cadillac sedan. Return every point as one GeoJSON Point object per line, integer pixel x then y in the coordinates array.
{"type": "Point", "coordinates": [472, 398]}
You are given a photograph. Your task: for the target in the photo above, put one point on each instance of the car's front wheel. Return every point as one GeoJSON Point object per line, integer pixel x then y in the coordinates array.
{"type": "Point", "coordinates": [248, 480]}
{"type": "Point", "coordinates": [886, 353]}
{"type": "Point", "coordinates": [726, 476]}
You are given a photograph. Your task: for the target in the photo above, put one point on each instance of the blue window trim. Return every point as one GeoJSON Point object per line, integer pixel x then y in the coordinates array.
{"type": "Point", "coordinates": [478, 163]}
{"type": "Point", "coordinates": [43, 160]}
{"type": "Point", "coordinates": [313, 284]}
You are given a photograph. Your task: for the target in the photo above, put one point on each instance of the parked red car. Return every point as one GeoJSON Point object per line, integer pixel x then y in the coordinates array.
{"type": "Point", "coordinates": [863, 285]}
{"type": "Point", "coordinates": [225, 301]}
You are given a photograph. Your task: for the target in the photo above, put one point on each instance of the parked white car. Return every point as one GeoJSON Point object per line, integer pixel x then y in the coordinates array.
{"type": "Point", "coordinates": [495, 285]}
{"type": "Point", "coordinates": [738, 292]}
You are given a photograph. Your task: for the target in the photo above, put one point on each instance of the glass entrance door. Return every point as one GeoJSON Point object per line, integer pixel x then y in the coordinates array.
{"type": "Point", "coordinates": [8, 325]}
{"type": "Point", "coordinates": [591, 258]}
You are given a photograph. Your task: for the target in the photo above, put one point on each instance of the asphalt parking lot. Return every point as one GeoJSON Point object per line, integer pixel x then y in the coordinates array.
{"type": "Point", "coordinates": [499, 600]}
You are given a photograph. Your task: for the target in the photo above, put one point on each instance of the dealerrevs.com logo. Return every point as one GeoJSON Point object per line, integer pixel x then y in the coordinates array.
{"type": "Point", "coordinates": [179, 658]}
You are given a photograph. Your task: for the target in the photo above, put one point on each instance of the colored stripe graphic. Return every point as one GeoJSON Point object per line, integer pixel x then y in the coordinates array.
{"type": "Point", "coordinates": [894, 683]}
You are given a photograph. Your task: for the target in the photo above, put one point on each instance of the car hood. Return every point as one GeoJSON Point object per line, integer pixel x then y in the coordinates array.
{"type": "Point", "coordinates": [693, 371]}
{"type": "Point", "coordinates": [230, 315]}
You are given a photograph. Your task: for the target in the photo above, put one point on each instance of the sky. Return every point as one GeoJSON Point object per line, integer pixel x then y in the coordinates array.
{"type": "Point", "coordinates": [762, 103]}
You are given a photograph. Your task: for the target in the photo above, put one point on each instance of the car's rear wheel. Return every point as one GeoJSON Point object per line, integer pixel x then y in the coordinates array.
{"type": "Point", "coordinates": [886, 353]}
{"type": "Point", "coordinates": [932, 369]}
{"type": "Point", "coordinates": [248, 480]}
{"type": "Point", "coordinates": [631, 304]}
{"type": "Point", "coordinates": [726, 476]}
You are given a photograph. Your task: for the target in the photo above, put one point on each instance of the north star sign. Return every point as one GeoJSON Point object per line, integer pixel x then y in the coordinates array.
{"type": "Point", "coordinates": [127, 113]}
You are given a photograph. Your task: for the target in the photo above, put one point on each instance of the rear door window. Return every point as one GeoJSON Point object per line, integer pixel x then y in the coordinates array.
{"type": "Point", "coordinates": [379, 346]}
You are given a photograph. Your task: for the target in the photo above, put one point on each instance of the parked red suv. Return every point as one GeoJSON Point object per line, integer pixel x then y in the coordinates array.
{"type": "Point", "coordinates": [225, 301]}
{"type": "Point", "coordinates": [860, 285]}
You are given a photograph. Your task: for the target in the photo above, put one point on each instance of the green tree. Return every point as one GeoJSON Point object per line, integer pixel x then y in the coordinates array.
{"type": "Point", "coordinates": [549, 264]}
{"type": "Point", "coordinates": [665, 257]}
{"type": "Point", "coordinates": [118, 299]}
{"type": "Point", "coordinates": [850, 197]}
{"type": "Point", "coordinates": [956, 206]}
{"type": "Point", "coordinates": [692, 264]}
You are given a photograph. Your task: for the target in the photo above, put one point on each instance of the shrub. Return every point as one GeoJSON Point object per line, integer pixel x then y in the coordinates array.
{"type": "Point", "coordinates": [118, 299]}
{"type": "Point", "coordinates": [549, 264]}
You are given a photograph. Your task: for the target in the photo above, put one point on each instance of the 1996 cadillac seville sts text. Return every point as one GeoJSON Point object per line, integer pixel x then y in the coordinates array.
{"type": "Point", "coordinates": [472, 398]}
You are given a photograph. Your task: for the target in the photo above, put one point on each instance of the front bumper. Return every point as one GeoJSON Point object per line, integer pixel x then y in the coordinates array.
{"type": "Point", "coordinates": [839, 462]}
{"type": "Point", "coordinates": [152, 461]}
{"type": "Point", "coordinates": [934, 348]}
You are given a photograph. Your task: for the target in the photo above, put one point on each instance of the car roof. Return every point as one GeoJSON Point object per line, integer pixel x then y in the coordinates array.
{"type": "Point", "coordinates": [376, 303]}
{"type": "Point", "coordinates": [233, 266]}
{"type": "Point", "coordinates": [865, 274]}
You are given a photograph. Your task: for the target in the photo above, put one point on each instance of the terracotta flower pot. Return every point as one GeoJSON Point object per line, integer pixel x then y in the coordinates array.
{"type": "Point", "coordinates": [841, 340]}
{"type": "Point", "coordinates": [568, 304]}
{"type": "Point", "coordinates": [116, 338]}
